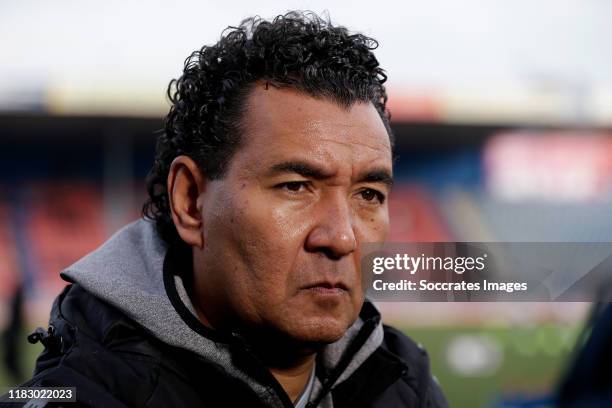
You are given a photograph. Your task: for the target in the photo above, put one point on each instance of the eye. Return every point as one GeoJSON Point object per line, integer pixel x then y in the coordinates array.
{"type": "Point", "coordinates": [369, 194]}
{"type": "Point", "coordinates": [293, 186]}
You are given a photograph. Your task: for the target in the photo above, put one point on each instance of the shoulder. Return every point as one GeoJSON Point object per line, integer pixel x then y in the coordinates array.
{"type": "Point", "coordinates": [98, 350]}
{"type": "Point", "coordinates": [417, 377]}
{"type": "Point", "coordinates": [396, 374]}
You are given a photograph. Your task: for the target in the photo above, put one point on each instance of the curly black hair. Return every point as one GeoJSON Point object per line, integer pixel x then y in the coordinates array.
{"type": "Point", "coordinates": [299, 50]}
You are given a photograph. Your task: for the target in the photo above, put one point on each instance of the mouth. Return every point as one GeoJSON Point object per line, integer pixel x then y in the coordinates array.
{"type": "Point", "coordinates": [326, 288]}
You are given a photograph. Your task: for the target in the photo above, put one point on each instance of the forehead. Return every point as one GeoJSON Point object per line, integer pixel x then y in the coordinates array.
{"type": "Point", "coordinates": [280, 122]}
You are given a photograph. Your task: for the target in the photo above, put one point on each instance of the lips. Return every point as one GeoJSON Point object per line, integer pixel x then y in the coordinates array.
{"type": "Point", "coordinates": [327, 288]}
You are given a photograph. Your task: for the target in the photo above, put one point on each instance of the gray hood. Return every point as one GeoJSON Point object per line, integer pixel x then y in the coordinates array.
{"type": "Point", "coordinates": [127, 272]}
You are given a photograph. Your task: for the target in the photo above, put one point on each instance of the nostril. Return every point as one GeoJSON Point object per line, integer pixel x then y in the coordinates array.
{"type": "Point", "coordinates": [331, 254]}
{"type": "Point", "coordinates": [334, 248]}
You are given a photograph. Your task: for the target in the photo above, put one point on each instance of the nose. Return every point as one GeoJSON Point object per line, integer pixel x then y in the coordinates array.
{"type": "Point", "coordinates": [333, 234]}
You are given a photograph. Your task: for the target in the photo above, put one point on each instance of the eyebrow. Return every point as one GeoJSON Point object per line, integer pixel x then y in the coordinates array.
{"type": "Point", "coordinates": [377, 176]}
{"type": "Point", "coordinates": [310, 171]}
{"type": "Point", "coordinates": [299, 167]}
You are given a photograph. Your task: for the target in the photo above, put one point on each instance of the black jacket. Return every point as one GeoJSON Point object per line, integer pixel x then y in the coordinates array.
{"type": "Point", "coordinates": [115, 360]}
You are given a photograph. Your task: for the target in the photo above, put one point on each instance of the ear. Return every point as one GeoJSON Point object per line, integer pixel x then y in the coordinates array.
{"type": "Point", "coordinates": [186, 183]}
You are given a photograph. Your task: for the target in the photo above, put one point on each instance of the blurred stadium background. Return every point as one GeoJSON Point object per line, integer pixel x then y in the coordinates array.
{"type": "Point", "coordinates": [502, 113]}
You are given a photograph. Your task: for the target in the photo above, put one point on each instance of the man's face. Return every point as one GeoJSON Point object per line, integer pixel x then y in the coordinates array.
{"type": "Point", "coordinates": [282, 229]}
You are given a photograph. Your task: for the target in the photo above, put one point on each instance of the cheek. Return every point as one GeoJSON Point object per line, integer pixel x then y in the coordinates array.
{"type": "Point", "coordinates": [291, 226]}
{"type": "Point", "coordinates": [381, 228]}
{"type": "Point", "coordinates": [373, 226]}
{"type": "Point", "coordinates": [267, 241]}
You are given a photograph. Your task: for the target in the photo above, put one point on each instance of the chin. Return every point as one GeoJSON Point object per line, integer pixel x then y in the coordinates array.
{"type": "Point", "coordinates": [321, 330]}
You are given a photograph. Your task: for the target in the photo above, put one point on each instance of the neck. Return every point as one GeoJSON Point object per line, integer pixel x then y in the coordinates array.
{"type": "Point", "coordinates": [292, 374]}
{"type": "Point", "coordinates": [294, 378]}
{"type": "Point", "coordinates": [290, 362]}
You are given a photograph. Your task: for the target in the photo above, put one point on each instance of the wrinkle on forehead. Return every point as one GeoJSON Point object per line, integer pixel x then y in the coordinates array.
{"type": "Point", "coordinates": [346, 132]}
{"type": "Point", "coordinates": [282, 122]}
{"type": "Point", "coordinates": [327, 150]}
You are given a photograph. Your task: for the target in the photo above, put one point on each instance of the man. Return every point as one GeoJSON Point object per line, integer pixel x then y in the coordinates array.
{"type": "Point", "coordinates": [242, 287]}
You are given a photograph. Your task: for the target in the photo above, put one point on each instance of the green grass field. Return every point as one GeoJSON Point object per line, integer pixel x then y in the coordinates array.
{"type": "Point", "coordinates": [532, 361]}
{"type": "Point", "coordinates": [28, 357]}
